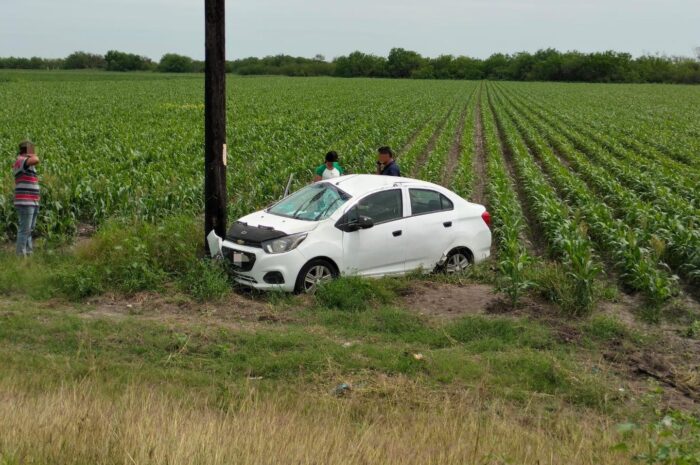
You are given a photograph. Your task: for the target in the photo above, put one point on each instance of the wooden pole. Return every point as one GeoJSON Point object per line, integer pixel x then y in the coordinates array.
{"type": "Point", "coordinates": [214, 118]}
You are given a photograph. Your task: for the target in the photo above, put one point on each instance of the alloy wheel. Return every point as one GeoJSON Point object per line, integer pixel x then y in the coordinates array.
{"type": "Point", "coordinates": [316, 275]}
{"type": "Point", "coordinates": [457, 263]}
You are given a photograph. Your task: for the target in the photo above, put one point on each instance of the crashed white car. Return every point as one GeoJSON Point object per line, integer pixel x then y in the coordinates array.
{"type": "Point", "coordinates": [365, 225]}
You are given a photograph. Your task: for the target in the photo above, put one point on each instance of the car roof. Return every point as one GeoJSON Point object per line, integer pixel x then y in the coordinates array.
{"type": "Point", "coordinates": [360, 184]}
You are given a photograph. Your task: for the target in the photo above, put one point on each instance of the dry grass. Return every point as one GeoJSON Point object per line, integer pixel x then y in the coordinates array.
{"type": "Point", "coordinates": [394, 421]}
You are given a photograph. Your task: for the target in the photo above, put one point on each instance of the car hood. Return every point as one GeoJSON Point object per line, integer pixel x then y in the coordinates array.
{"type": "Point", "coordinates": [261, 226]}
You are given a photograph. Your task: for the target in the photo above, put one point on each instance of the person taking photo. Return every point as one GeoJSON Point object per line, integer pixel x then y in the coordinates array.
{"type": "Point", "coordinates": [26, 196]}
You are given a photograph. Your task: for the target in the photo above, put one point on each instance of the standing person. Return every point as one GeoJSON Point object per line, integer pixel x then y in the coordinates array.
{"type": "Point", "coordinates": [330, 169]}
{"type": "Point", "coordinates": [26, 195]}
{"type": "Point", "coordinates": [386, 164]}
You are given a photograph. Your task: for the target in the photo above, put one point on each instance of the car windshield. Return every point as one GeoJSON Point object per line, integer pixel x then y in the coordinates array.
{"type": "Point", "coordinates": [312, 203]}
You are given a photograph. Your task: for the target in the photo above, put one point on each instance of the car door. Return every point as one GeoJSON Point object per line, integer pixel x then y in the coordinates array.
{"type": "Point", "coordinates": [380, 249]}
{"type": "Point", "coordinates": [428, 228]}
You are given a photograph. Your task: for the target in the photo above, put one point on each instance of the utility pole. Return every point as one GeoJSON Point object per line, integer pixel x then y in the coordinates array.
{"type": "Point", "coordinates": [214, 118]}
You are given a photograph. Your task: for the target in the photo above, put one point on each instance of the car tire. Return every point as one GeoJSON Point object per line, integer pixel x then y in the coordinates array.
{"type": "Point", "coordinates": [457, 261]}
{"type": "Point", "coordinates": [312, 274]}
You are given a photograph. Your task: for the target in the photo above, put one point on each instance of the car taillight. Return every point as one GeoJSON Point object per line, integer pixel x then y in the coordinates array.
{"type": "Point", "coordinates": [487, 218]}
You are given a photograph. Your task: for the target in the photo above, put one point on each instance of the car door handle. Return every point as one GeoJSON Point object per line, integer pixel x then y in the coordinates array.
{"type": "Point", "coordinates": [396, 233]}
{"type": "Point", "coordinates": [447, 224]}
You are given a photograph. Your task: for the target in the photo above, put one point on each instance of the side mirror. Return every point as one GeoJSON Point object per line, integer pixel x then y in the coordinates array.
{"type": "Point", "coordinates": [365, 222]}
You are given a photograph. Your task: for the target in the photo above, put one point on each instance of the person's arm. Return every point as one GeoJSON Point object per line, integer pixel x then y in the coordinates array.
{"type": "Point", "coordinates": [318, 174]}
{"type": "Point", "coordinates": [32, 160]}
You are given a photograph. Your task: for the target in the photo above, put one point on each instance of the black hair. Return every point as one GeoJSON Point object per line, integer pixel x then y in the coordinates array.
{"type": "Point", "coordinates": [386, 150]}
{"type": "Point", "coordinates": [332, 156]}
{"type": "Point", "coordinates": [25, 147]}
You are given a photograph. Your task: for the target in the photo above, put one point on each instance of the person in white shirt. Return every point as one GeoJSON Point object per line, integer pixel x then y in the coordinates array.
{"type": "Point", "coordinates": [330, 169]}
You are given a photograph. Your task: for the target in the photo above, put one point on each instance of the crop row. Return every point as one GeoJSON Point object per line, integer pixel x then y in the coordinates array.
{"type": "Point", "coordinates": [463, 177]}
{"type": "Point", "coordinates": [433, 169]}
{"type": "Point", "coordinates": [680, 239]}
{"type": "Point", "coordinates": [508, 219]}
{"type": "Point", "coordinates": [638, 266]}
{"type": "Point", "coordinates": [567, 238]}
{"type": "Point", "coordinates": [654, 180]}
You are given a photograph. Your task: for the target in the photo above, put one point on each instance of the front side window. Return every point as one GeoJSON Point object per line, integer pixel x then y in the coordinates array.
{"type": "Point", "coordinates": [312, 203]}
{"type": "Point", "coordinates": [428, 201]}
{"type": "Point", "coordinates": [380, 207]}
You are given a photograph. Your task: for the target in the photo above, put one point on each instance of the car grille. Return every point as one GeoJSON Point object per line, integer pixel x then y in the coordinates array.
{"type": "Point", "coordinates": [245, 265]}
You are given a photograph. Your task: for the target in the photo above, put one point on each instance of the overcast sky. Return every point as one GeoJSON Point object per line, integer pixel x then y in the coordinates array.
{"type": "Point", "coordinates": [54, 28]}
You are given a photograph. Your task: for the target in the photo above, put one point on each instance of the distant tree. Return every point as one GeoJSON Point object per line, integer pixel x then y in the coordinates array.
{"type": "Point", "coordinates": [281, 65]}
{"type": "Point", "coordinates": [84, 60]}
{"type": "Point", "coordinates": [466, 68]}
{"type": "Point", "coordinates": [359, 64]}
{"type": "Point", "coordinates": [441, 67]}
{"type": "Point", "coordinates": [401, 63]}
{"type": "Point", "coordinates": [174, 63]}
{"type": "Point", "coordinates": [543, 65]}
{"type": "Point", "coordinates": [121, 61]}
{"type": "Point", "coordinates": [497, 66]}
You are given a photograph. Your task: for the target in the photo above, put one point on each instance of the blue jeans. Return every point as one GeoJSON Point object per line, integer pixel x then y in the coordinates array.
{"type": "Point", "coordinates": [27, 221]}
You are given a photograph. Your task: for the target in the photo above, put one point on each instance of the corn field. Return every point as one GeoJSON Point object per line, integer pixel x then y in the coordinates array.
{"type": "Point", "coordinates": [599, 181]}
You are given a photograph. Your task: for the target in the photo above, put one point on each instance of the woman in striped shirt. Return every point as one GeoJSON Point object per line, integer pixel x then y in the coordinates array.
{"type": "Point", "coordinates": [26, 195]}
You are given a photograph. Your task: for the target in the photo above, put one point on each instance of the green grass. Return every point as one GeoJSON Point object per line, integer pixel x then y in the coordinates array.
{"type": "Point", "coordinates": [513, 358]}
{"type": "Point", "coordinates": [125, 257]}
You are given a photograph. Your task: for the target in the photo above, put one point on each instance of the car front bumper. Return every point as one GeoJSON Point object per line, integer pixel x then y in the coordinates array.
{"type": "Point", "coordinates": [261, 270]}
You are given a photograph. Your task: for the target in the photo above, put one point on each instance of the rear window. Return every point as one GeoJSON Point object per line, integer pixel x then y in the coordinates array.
{"type": "Point", "coordinates": [428, 201]}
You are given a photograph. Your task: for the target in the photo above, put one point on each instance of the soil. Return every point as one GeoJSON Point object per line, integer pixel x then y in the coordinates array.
{"type": "Point", "coordinates": [233, 312]}
{"type": "Point", "coordinates": [449, 301]}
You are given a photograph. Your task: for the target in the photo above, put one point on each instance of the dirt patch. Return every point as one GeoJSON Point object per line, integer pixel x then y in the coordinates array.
{"type": "Point", "coordinates": [456, 148]}
{"type": "Point", "coordinates": [449, 300]}
{"type": "Point", "coordinates": [423, 157]}
{"type": "Point", "coordinates": [671, 360]}
{"type": "Point", "coordinates": [234, 311]}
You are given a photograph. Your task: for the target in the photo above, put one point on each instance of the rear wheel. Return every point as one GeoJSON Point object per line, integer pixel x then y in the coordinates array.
{"type": "Point", "coordinates": [458, 261]}
{"type": "Point", "coordinates": [313, 274]}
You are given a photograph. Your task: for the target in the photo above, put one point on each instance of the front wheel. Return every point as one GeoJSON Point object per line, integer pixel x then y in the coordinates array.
{"type": "Point", "coordinates": [457, 261]}
{"type": "Point", "coordinates": [313, 274]}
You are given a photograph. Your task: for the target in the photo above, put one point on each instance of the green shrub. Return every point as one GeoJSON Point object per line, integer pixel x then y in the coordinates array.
{"type": "Point", "coordinates": [79, 282]}
{"type": "Point", "coordinates": [205, 280]}
{"type": "Point", "coordinates": [572, 294]}
{"type": "Point", "coordinates": [672, 439]}
{"type": "Point", "coordinates": [138, 256]}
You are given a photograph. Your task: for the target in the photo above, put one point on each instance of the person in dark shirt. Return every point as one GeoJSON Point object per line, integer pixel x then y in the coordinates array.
{"type": "Point", "coordinates": [385, 162]}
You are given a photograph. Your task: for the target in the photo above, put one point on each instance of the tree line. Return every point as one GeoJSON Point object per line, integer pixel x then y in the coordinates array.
{"type": "Point", "coordinates": [543, 65]}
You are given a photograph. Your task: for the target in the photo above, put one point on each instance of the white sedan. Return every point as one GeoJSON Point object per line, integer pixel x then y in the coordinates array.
{"type": "Point", "coordinates": [366, 225]}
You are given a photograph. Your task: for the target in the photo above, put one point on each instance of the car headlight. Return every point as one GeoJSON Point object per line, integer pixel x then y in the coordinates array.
{"type": "Point", "coordinates": [283, 244]}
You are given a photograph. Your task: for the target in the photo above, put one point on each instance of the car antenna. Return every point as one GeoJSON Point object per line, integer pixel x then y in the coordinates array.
{"type": "Point", "coordinates": [289, 185]}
